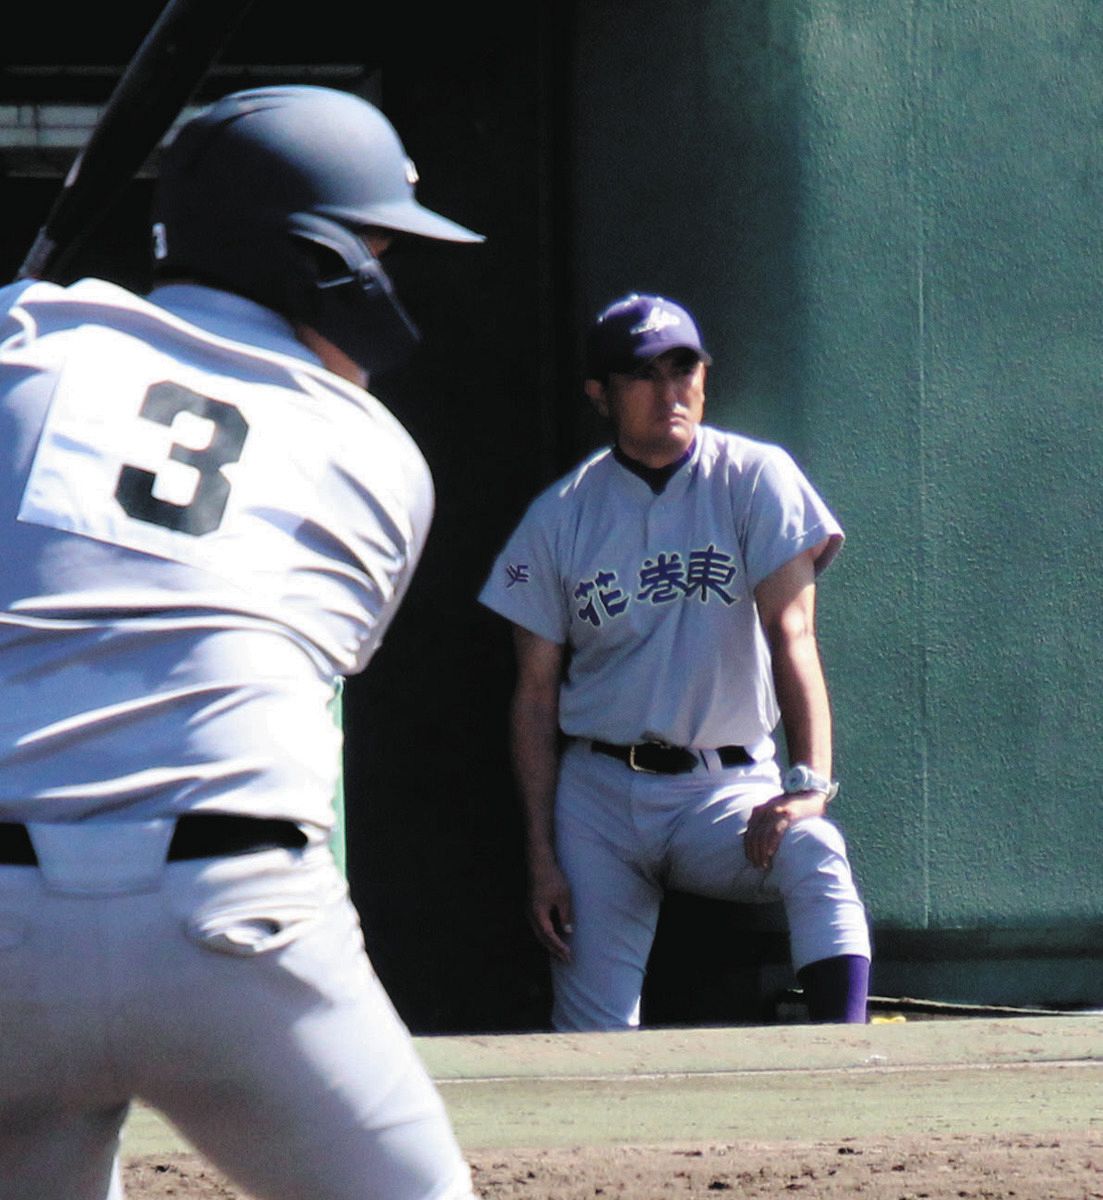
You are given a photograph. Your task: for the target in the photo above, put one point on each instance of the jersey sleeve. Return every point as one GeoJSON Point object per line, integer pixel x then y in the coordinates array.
{"type": "Point", "coordinates": [524, 585]}
{"type": "Point", "coordinates": [785, 516]}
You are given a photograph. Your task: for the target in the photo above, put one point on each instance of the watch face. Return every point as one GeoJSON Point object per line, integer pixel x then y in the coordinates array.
{"type": "Point", "coordinates": [796, 779]}
{"type": "Point", "coordinates": [800, 778]}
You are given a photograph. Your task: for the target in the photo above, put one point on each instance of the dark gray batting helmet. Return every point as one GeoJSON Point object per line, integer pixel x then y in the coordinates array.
{"type": "Point", "coordinates": [267, 193]}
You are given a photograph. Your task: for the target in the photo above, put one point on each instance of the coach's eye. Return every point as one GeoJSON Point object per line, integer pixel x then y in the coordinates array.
{"type": "Point", "coordinates": [685, 362]}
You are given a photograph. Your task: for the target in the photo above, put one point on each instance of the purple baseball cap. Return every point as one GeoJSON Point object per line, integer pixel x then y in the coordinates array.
{"type": "Point", "coordinates": [636, 328]}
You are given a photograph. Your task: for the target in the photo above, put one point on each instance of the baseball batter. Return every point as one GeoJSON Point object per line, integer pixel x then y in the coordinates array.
{"type": "Point", "coordinates": [662, 601]}
{"type": "Point", "coordinates": [206, 522]}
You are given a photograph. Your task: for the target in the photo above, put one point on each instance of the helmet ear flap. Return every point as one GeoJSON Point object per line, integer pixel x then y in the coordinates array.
{"type": "Point", "coordinates": [320, 262]}
{"type": "Point", "coordinates": [345, 294]}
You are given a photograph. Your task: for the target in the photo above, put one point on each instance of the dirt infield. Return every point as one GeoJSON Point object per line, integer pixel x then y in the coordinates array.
{"type": "Point", "coordinates": [951, 1167]}
{"type": "Point", "coordinates": [961, 1110]}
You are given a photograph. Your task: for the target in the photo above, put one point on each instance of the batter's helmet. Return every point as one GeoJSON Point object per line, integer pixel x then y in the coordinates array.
{"type": "Point", "coordinates": [266, 193]}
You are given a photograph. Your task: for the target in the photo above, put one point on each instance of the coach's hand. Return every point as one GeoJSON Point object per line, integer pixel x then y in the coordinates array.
{"type": "Point", "coordinates": [550, 907]}
{"type": "Point", "coordinates": [768, 823]}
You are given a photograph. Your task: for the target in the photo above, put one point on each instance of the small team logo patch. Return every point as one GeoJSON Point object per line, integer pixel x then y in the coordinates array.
{"type": "Point", "coordinates": [517, 574]}
{"type": "Point", "coordinates": [658, 318]}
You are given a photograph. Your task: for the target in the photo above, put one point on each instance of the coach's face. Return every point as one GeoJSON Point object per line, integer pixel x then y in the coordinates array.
{"type": "Point", "coordinates": [656, 409]}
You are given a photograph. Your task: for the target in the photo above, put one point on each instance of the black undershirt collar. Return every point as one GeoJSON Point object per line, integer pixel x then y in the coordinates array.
{"type": "Point", "coordinates": [656, 478]}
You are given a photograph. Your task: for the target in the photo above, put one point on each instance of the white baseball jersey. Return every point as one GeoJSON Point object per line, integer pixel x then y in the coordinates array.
{"type": "Point", "coordinates": [201, 530]}
{"type": "Point", "coordinates": [654, 594]}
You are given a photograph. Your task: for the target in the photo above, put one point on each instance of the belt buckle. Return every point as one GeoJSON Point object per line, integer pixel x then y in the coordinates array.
{"type": "Point", "coordinates": [632, 759]}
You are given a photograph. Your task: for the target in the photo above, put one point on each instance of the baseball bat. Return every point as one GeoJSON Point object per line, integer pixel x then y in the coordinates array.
{"type": "Point", "coordinates": [169, 65]}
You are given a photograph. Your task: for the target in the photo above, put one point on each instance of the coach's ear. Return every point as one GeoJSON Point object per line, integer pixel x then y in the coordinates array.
{"type": "Point", "coordinates": [595, 389]}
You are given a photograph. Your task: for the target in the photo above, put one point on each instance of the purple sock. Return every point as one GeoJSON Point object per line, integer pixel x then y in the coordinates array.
{"type": "Point", "coordinates": [836, 989]}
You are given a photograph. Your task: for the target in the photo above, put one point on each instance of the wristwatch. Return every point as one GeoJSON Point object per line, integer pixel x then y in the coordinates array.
{"type": "Point", "coordinates": [801, 778]}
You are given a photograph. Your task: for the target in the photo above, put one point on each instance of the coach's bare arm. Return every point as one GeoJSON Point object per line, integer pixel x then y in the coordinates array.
{"type": "Point", "coordinates": [534, 731]}
{"type": "Point", "coordinates": [786, 607]}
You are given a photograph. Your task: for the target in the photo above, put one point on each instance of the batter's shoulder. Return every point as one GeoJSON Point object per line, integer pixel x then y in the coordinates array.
{"type": "Point", "coordinates": [38, 306]}
{"type": "Point", "coordinates": [11, 294]}
{"type": "Point", "coordinates": [17, 301]}
{"type": "Point", "coordinates": [85, 293]}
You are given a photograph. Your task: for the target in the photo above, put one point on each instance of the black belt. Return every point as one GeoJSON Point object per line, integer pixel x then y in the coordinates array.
{"type": "Point", "coordinates": [197, 835]}
{"type": "Point", "coordinates": [653, 758]}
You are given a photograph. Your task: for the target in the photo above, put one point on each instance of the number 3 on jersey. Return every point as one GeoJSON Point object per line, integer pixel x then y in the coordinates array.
{"type": "Point", "coordinates": [135, 491]}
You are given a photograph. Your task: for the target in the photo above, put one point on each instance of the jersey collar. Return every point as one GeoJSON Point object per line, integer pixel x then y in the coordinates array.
{"type": "Point", "coordinates": [656, 478]}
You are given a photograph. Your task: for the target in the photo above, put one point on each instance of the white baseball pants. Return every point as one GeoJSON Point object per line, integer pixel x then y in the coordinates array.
{"type": "Point", "coordinates": [231, 994]}
{"type": "Point", "coordinates": [624, 837]}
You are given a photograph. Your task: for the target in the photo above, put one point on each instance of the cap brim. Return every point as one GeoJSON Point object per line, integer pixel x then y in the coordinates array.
{"type": "Point", "coordinates": [626, 365]}
{"type": "Point", "coordinates": [411, 217]}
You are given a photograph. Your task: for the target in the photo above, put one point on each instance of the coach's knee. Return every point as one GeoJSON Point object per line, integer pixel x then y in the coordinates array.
{"type": "Point", "coordinates": [825, 913]}
{"type": "Point", "coordinates": [812, 849]}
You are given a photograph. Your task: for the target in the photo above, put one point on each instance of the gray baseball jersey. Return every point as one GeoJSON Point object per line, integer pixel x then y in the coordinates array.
{"type": "Point", "coordinates": [654, 594]}
{"type": "Point", "coordinates": [202, 529]}
{"type": "Point", "coordinates": [199, 537]}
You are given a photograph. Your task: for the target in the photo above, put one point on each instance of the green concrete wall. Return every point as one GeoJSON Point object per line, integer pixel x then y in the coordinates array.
{"type": "Point", "coordinates": [887, 216]}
